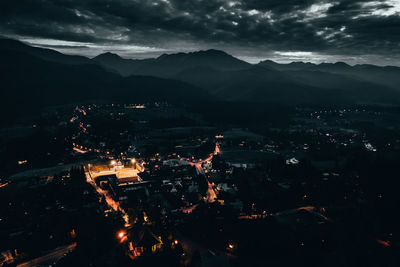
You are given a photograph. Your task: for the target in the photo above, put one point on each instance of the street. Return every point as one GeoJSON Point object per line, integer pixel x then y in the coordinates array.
{"type": "Point", "coordinates": [51, 257]}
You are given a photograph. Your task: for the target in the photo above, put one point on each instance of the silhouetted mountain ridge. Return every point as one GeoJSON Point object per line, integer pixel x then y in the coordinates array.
{"type": "Point", "coordinates": [175, 65]}
{"type": "Point", "coordinates": [223, 76]}
{"type": "Point", "coordinates": [168, 65]}
{"type": "Point", "coordinates": [43, 53]}
{"type": "Point", "coordinates": [388, 76]}
{"type": "Point", "coordinates": [30, 82]}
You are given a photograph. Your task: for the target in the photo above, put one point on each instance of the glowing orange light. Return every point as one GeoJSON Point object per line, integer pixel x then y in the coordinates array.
{"type": "Point", "coordinates": [121, 234]}
{"type": "Point", "coordinates": [176, 242]}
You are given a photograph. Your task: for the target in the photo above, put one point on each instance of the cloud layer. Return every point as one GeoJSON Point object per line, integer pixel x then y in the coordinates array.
{"type": "Point", "coordinates": [358, 31]}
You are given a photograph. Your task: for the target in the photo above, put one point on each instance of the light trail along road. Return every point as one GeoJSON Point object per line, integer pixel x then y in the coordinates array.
{"type": "Point", "coordinates": [211, 195]}
{"type": "Point", "coordinates": [51, 257]}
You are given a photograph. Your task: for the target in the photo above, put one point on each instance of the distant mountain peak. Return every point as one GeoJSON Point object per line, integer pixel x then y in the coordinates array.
{"type": "Point", "coordinates": [339, 63]}
{"type": "Point", "coordinates": [213, 52]}
{"type": "Point", "coordinates": [172, 64]}
{"type": "Point", "coordinates": [200, 53]}
{"type": "Point", "coordinates": [284, 67]}
{"type": "Point", "coordinates": [162, 56]}
{"type": "Point", "coordinates": [301, 63]}
{"type": "Point", "coordinates": [267, 61]}
{"type": "Point", "coordinates": [108, 55]}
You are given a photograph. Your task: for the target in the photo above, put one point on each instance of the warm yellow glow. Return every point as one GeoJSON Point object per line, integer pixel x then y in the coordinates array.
{"type": "Point", "coordinates": [145, 217]}
{"type": "Point", "coordinates": [176, 242]}
{"type": "Point", "coordinates": [121, 234]}
{"type": "Point", "coordinates": [133, 160]}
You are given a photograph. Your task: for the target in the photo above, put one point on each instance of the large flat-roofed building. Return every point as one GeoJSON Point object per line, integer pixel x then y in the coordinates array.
{"type": "Point", "coordinates": [119, 180]}
{"type": "Point", "coordinates": [124, 174]}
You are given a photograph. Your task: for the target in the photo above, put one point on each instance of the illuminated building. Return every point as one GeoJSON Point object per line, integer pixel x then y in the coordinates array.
{"type": "Point", "coordinates": [144, 241]}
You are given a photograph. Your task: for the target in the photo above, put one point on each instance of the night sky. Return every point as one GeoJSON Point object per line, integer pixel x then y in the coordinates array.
{"type": "Point", "coordinates": [360, 31]}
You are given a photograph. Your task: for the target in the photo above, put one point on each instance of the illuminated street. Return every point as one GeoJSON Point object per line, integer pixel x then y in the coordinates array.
{"type": "Point", "coordinates": [49, 258]}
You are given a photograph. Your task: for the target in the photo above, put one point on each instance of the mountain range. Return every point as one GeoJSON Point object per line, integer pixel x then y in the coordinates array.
{"type": "Point", "coordinates": [34, 77]}
{"type": "Point", "coordinates": [228, 78]}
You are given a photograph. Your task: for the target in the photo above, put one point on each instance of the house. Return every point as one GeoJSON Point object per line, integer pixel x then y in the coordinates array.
{"type": "Point", "coordinates": [143, 241]}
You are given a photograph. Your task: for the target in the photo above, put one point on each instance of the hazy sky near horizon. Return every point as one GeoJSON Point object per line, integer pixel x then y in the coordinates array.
{"type": "Point", "coordinates": [354, 31]}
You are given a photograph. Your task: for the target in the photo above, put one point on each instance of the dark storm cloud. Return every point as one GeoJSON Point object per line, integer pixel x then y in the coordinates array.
{"type": "Point", "coordinates": [246, 28]}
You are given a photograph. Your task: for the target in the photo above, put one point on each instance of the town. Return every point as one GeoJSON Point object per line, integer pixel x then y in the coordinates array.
{"type": "Point", "coordinates": [147, 184]}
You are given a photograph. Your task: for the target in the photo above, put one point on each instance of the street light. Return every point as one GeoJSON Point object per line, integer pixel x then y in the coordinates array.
{"type": "Point", "coordinates": [133, 161]}
{"type": "Point", "coordinates": [122, 236]}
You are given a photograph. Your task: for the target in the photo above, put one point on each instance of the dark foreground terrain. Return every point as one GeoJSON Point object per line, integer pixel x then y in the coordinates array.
{"type": "Point", "coordinates": [217, 184]}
